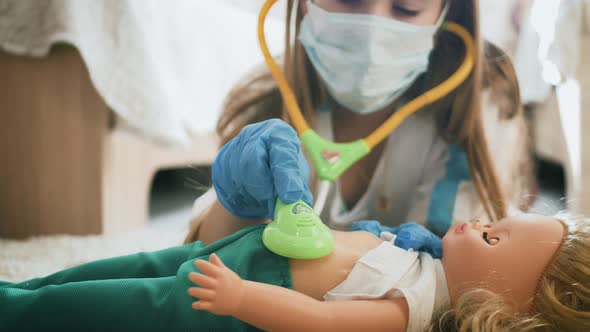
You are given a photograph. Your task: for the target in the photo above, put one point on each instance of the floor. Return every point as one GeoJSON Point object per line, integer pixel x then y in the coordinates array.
{"type": "Point", "coordinates": [174, 191]}
{"type": "Point", "coordinates": [551, 198]}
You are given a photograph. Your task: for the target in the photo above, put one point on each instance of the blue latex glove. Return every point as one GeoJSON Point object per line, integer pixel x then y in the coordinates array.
{"type": "Point", "coordinates": [409, 235]}
{"type": "Point", "coordinates": [264, 161]}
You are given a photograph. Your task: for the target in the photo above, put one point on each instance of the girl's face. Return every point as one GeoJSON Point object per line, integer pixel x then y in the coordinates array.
{"type": "Point", "coordinates": [419, 12]}
{"type": "Point", "coordinates": [508, 257]}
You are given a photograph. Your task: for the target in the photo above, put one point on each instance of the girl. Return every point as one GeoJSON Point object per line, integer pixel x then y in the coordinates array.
{"type": "Point", "coordinates": [354, 63]}
{"type": "Point", "coordinates": [523, 273]}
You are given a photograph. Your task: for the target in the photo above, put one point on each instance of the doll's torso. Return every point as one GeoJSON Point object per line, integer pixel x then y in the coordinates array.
{"type": "Point", "coordinates": [316, 277]}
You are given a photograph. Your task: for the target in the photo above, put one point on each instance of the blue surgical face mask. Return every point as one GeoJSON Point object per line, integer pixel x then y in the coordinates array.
{"type": "Point", "coordinates": [365, 61]}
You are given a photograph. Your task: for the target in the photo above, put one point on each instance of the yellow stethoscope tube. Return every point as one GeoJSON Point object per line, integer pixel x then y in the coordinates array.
{"type": "Point", "coordinates": [398, 117]}
{"type": "Point", "coordinates": [322, 151]}
{"type": "Point", "coordinates": [431, 95]}
{"type": "Point", "coordinates": [288, 97]}
{"type": "Point", "coordinates": [289, 236]}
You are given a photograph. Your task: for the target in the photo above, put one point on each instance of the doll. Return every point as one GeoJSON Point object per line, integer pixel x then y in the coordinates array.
{"type": "Point", "coordinates": [524, 271]}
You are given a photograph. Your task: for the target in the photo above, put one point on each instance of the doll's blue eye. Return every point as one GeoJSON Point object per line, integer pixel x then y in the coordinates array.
{"type": "Point", "coordinates": [490, 241]}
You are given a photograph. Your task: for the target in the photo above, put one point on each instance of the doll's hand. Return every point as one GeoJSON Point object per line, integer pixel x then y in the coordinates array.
{"type": "Point", "coordinates": [221, 288]}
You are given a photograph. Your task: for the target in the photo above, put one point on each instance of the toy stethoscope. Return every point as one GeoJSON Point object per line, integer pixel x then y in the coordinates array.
{"type": "Point", "coordinates": [296, 230]}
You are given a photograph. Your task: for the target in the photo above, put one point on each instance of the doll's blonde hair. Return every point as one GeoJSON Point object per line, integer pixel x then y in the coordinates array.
{"type": "Point", "coordinates": [561, 301]}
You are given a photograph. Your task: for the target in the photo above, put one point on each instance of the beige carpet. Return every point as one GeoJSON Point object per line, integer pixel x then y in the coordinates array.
{"type": "Point", "coordinates": [40, 256]}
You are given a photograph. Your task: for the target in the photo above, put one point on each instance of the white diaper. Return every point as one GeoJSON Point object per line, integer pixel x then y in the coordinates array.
{"type": "Point", "coordinates": [389, 272]}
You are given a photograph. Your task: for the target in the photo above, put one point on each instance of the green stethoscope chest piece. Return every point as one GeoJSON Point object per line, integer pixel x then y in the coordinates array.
{"type": "Point", "coordinates": [297, 232]}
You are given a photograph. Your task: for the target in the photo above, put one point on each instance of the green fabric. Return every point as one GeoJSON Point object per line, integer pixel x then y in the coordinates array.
{"type": "Point", "coordinates": [140, 292]}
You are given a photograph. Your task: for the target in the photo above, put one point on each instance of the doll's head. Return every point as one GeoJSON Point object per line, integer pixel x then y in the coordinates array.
{"type": "Point", "coordinates": [526, 272]}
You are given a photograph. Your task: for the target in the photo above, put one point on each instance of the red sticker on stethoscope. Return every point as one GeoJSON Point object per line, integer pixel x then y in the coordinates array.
{"type": "Point", "coordinates": [330, 156]}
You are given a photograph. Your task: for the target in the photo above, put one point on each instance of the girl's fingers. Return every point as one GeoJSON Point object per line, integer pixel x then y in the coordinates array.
{"type": "Point", "coordinates": [202, 305]}
{"type": "Point", "coordinates": [208, 268]}
{"type": "Point", "coordinates": [216, 260]}
{"type": "Point", "coordinates": [202, 280]}
{"type": "Point", "coordinates": [201, 293]}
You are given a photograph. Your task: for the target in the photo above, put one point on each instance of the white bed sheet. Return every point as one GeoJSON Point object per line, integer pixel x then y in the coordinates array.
{"type": "Point", "coordinates": [164, 67]}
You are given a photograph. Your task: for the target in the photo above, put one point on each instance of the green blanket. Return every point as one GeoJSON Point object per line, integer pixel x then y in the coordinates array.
{"type": "Point", "coordinates": [139, 292]}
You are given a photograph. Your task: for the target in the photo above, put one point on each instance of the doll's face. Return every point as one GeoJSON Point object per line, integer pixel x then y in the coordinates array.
{"type": "Point", "coordinates": [507, 257]}
{"type": "Point", "coordinates": [419, 12]}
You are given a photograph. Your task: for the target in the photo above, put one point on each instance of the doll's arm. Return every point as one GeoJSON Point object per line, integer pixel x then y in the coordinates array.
{"type": "Point", "coordinates": [274, 308]}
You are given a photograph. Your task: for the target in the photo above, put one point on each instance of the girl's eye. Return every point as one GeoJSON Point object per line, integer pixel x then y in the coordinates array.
{"type": "Point", "coordinates": [350, 3]}
{"type": "Point", "coordinates": [404, 11]}
{"type": "Point", "coordinates": [491, 241]}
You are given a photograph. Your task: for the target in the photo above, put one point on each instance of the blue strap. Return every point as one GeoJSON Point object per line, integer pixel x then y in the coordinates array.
{"type": "Point", "coordinates": [444, 193]}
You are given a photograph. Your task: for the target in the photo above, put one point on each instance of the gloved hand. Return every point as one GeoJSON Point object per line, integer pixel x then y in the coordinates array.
{"type": "Point", "coordinates": [409, 235]}
{"type": "Point", "coordinates": [264, 161]}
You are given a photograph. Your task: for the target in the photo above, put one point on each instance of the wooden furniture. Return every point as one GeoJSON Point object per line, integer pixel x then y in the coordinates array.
{"type": "Point", "coordinates": [65, 167]}
{"type": "Point", "coordinates": [584, 124]}
{"type": "Point", "coordinates": [561, 127]}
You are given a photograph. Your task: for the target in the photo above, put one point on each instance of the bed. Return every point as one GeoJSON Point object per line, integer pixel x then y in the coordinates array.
{"type": "Point", "coordinates": [100, 95]}
{"type": "Point", "coordinates": [551, 57]}
{"type": "Point", "coordinates": [85, 130]}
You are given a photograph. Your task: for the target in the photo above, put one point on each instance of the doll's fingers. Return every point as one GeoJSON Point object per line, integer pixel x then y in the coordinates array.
{"type": "Point", "coordinates": [202, 293]}
{"type": "Point", "coordinates": [202, 280]}
{"type": "Point", "coordinates": [216, 260]}
{"type": "Point", "coordinates": [208, 268]}
{"type": "Point", "coordinates": [202, 305]}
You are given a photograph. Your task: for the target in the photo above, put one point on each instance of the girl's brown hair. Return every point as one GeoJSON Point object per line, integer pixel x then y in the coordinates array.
{"type": "Point", "coordinates": [458, 114]}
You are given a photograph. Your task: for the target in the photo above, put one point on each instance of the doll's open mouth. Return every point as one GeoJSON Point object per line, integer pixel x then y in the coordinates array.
{"type": "Point", "coordinates": [461, 229]}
